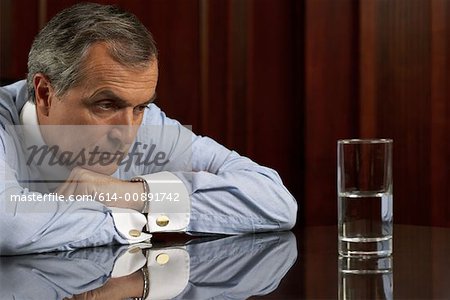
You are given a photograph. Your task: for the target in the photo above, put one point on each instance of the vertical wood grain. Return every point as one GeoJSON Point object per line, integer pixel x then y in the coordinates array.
{"type": "Point", "coordinates": [19, 26]}
{"type": "Point", "coordinates": [331, 99]}
{"type": "Point", "coordinates": [42, 14]}
{"type": "Point", "coordinates": [274, 109]}
{"type": "Point", "coordinates": [403, 102]}
{"type": "Point", "coordinates": [204, 61]}
{"type": "Point", "coordinates": [368, 69]}
{"type": "Point", "coordinates": [439, 118]}
{"type": "Point", "coordinates": [237, 113]}
{"type": "Point", "coordinates": [214, 106]}
{"type": "Point", "coordinates": [5, 39]}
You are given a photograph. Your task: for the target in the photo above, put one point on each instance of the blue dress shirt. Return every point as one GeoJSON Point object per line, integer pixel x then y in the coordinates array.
{"type": "Point", "coordinates": [228, 193]}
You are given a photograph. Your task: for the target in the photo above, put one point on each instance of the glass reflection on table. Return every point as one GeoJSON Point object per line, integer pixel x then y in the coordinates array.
{"type": "Point", "coordinates": [365, 278]}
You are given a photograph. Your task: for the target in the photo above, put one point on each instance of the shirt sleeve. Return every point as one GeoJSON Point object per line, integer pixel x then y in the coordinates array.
{"type": "Point", "coordinates": [231, 194]}
{"type": "Point", "coordinates": [228, 193]}
{"type": "Point", "coordinates": [32, 222]}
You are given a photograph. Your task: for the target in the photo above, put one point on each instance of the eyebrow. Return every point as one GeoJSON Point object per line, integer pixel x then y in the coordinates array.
{"type": "Point", "coordinates": [110, 95]}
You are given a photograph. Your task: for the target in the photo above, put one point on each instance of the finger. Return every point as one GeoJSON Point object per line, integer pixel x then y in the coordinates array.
{"type": "Point", "coordinates": [69, 186]}
{"type": "Point", "coordinates": [66, 189]}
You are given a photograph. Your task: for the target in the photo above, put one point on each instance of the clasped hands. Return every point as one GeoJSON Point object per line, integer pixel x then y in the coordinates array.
{"type": "Point", "coordinates": [86, 182]}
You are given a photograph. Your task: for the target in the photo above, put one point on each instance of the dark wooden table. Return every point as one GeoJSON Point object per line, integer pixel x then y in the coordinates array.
{"type": "Point", "coordinates": [420, 267]}
{"type": "Point", "coordinates": [284, 266]}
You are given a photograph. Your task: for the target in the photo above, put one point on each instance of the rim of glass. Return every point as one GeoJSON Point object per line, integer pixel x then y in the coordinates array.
{"type": "Point", "coordinates": [365, 141]}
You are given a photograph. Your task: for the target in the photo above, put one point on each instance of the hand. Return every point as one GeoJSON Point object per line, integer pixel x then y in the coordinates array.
{"type": "Point", "coordinates": [116, 288]}
{"type": "Point", "coordinates": [85, 182]}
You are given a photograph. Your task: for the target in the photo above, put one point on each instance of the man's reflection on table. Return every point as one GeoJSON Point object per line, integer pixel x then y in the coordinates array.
{"type": "Point", "coordinates": [231, 267]}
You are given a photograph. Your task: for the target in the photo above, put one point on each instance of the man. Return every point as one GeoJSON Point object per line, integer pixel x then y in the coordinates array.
{"type": "Point", "coordinates": [83, 124]}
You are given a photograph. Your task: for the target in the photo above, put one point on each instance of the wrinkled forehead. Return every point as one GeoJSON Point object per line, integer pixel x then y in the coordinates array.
{"type": "Point", "coordinates": [101, 71]}
{"type": "Point", "coordinates": [101, 56]}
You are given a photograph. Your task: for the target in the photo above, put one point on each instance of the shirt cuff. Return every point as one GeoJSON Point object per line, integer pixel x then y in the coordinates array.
{"type": "Point", "coordinates": [129, 224]}
{"type": "Point", "coordinates": [169, 203]}
{"type": "Point", "coordinates": [168, 269]}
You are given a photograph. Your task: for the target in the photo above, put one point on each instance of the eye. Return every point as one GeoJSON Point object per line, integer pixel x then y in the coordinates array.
{"type": "Point", "coordinates": [106, 106]}
{"type": "Point", "coordinates": [141, 108]}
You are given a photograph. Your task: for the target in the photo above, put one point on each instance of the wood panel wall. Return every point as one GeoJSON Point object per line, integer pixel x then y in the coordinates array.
{"type": "Point", "coordinates": [281, 80]}
{"type": "Point", "coordinates": [380, 69]}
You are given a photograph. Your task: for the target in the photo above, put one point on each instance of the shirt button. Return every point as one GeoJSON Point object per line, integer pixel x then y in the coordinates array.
{"type": "Point", "coordinates": [134, 232]}
{"type": "Point", "coordinates": [162, 259]}
{"type": "Point", "coordinates": [162, 221]}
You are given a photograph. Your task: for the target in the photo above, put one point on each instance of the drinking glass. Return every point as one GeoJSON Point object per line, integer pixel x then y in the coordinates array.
{"type": "Point", "coordinates": [364, 186]}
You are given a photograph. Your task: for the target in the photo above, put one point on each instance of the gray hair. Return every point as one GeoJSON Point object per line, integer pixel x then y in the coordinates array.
{"type": "Point", "coordinates": [59, 49]}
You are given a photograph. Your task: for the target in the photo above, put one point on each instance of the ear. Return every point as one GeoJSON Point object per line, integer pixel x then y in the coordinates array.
{"type": "Point", "coordinates": [43, 94]}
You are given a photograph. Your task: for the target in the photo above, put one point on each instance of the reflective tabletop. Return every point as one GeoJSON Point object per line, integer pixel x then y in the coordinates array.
{"type": "Point", "coordinates": [300, 265]}
{"type": "Point", "coordinates": [418, 269]}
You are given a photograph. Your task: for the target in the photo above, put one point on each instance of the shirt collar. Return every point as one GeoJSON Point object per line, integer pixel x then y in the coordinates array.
{"type": "Point", "coordinates": [28, 118]}
{"type": "Point", "coordinates": [33, 137]}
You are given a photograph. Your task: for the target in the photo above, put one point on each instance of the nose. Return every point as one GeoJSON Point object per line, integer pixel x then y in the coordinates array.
{"type": "Point", "coordinates": [122, 134]}
{"type": "Point", "coordinates": [124, 128]}
{"type": "Point", "coordinates": [125, 116]}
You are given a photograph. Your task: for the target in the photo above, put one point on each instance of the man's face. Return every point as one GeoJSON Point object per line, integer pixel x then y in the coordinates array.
{"type": "Point", "coordinates": [110, 95]}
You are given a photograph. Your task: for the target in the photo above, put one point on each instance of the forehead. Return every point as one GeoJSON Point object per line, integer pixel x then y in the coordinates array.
{"type": "Point", "coordinates": [100, 71]}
